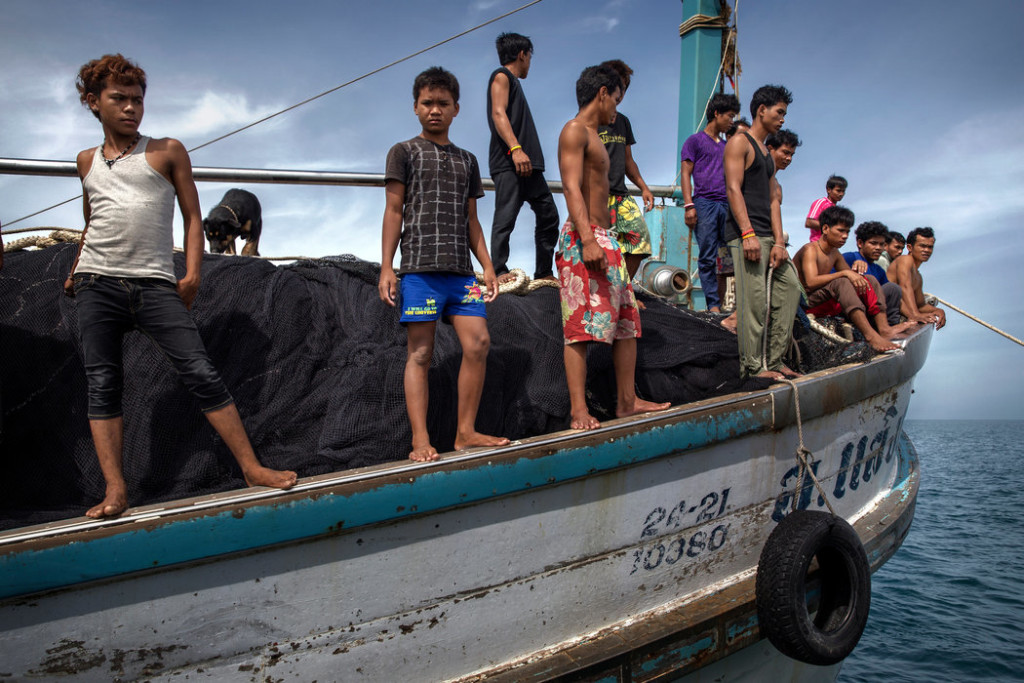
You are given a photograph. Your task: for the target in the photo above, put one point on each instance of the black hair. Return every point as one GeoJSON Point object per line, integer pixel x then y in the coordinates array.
{"type": "Point", "coordinates": [622, 69]}
{"type": "Point", "coordinates": [835, 181]}
{"type": "Point", "coordinates": [893, 235]}
{"type": "Point", "coordinates": [509, 45]}
{"type": "Point", "coordinates": [721, 103]}
{"type": "Point", "coordinates": [927, 233]}
{"type": "Point", "coordinates": [436, 77]}
{"type": "Point", "coordinates": [836, 215]}
{"type": "Point", "coordinates": [592, 79]}
{"type": "Point", "coordinates": [869, 229]}
{"type": "Point", "coordinates": [769, 95]}
{"type": "Point", "coordinates": [736, 126]}
{"type": "Point", "coordinates": [782, 138]}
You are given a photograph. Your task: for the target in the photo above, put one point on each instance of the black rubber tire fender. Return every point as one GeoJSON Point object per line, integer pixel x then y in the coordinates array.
{"type": "Point", "coordinates": [781, 587]}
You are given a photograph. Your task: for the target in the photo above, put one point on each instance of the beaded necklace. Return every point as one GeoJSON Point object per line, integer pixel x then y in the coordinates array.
{"type": "Point", "coordinates": [110, 162]}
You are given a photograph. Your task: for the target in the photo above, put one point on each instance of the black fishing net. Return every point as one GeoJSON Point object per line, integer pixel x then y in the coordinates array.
{"type": "Point", "coordinates": [315, 363]}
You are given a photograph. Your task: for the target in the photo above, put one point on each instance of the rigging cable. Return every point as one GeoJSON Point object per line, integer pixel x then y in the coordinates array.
{"type": "Point", "coordinates": [316, 97]}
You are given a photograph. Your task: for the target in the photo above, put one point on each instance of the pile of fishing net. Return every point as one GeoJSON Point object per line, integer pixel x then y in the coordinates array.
{"type": "Point", "coordinates": [315, 363]}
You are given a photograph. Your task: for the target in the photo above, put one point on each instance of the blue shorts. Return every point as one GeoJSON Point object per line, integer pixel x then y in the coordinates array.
{"type": "Point", "coordinates": [429, 296]}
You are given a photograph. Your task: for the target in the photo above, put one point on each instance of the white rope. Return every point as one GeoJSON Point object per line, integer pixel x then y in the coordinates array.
{"type": "Point", "coordinates": [977, 320]}
{"type": "Point", "coordinates": [802, 454]}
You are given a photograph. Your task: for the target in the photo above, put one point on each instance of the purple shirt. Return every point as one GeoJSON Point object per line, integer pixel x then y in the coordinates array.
{"type": "Point", "coordinates": [708, 170]}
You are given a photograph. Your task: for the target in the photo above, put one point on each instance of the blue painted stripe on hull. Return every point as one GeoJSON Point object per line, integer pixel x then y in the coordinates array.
{"type": "Point", "coordinates": [195, 538]}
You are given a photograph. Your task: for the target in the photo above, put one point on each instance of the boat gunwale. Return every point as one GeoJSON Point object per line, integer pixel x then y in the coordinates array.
{"type": "Point", "coordinates": [777, 397]}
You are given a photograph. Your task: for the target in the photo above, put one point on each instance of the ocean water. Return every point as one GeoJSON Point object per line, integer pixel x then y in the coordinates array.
{"type": "Point", "coordinates": [949, 606]}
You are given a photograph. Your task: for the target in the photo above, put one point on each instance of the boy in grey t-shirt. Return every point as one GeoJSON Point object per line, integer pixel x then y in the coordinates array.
{"type": "Point", "coordinates": [432, 187]}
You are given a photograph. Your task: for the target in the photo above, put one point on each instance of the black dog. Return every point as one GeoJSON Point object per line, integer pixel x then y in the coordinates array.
{"type": "Point", "coordinates": [237, 215]}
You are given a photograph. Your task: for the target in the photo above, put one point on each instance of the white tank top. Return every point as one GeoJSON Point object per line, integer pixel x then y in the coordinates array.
{"type": "Point", "coordinates": [130, 221]}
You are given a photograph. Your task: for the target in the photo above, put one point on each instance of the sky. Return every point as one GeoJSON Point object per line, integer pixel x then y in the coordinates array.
{"type": "Point", "coordinates": [917, 103]}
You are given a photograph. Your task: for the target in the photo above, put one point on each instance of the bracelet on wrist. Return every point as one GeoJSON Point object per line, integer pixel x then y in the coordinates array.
{"type": "Point", "coordinates": [691, 205]}
{"type": "Point", "coordinates": [512, 149]}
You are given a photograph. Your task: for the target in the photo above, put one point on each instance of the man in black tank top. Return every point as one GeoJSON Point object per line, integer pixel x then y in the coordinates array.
{"type": "Point", "coordinates": [515, 159]}
{"type": "Point", "coordinates": [754, 236]}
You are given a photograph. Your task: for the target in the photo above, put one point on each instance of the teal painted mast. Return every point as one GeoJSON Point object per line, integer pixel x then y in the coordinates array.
{"type": "Point", "coordinates": [700, 56]}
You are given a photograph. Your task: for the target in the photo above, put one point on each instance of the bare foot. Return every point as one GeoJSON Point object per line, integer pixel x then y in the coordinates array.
{"type": "Point", "coordinates": [425, 453]}
{"type": "Point", "coordinates": [275, 479]}
{"type": "Point", "coordinates": [546, 278]}
{"type": "Point", "coordinates": [641, 305]}
{"type": "Point", "coordinates": [771, 374]}
{"type": "Point", "coordinates": [505, 277]}
{"type": "Point", "coordinates": [786, 372]}
{"type": "Point", "coordinates": [729, 323]}
{"type": "Point", "coordinates": [641, 406]}
{"type": "Point", "coordinates": [584, 420]}
{"type": "Point", "coordinates": [475, 439]}
{"type": "Point", "coordinates": [892, 331]}
{"type": "Point", "coordinates": [113, 505]}
{"type": "Point", "coordinates": [881, 345]}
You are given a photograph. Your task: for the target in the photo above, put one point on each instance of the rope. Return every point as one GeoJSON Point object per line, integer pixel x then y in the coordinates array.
{"type": "Point", "coordinates": [701, 21]}
{"type": "Point", "coordinates": [802, 454]}
{"type": "Point", "coordinates": [316, 97]}
{"type": "Point", "coordinates": [43, 241]}
{"type": "Point", "coordinates": [977, 320]}
{"type": "Point", "coordinates": [520, 283]}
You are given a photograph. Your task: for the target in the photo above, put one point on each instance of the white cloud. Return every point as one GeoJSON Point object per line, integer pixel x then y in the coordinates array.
{"type": "Point", "coordinates": [212, 114]}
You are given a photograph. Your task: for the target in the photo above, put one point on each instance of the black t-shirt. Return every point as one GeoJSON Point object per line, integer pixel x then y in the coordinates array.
{"type": "Point", "coordinates": [518, 112]}
{"type": "Point", "coordinates": [439, 180]}
{"type": "Point", "coordinates": [616, 137]}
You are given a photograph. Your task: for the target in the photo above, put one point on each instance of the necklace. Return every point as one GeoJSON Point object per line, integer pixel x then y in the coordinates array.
{"type": "Point", "coordinates": [110, 162]}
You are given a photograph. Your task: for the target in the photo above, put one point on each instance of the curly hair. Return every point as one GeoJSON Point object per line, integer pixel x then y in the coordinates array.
{"type": "Point", "coordinates": [93, 77]}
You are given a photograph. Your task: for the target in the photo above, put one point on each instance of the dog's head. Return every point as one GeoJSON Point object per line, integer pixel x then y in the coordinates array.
{"type": "Point", "coordinates": [220, 228]}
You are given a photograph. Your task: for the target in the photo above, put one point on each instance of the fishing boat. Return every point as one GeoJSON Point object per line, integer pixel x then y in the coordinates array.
{"type": "Point", "coordinates": [639, 551]}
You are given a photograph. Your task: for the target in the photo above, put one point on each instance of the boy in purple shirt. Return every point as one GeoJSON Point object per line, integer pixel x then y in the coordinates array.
{"type": "Point", "coordinates": [702, 180]}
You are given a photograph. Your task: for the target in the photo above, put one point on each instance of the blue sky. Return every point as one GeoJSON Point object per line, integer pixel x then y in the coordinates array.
{"type": "Point", "coordinates": [916, 102]}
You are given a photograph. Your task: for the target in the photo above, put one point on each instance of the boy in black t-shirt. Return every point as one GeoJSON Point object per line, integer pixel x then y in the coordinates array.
{"type": "Point", "coordinates": [432, 187]}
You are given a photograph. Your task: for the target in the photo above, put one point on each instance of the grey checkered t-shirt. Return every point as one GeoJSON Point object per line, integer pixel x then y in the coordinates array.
{"type": "Point", "coordinates": [439, 180]}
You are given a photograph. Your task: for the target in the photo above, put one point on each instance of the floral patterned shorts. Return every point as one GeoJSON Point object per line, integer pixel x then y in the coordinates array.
{"type": "Point", "coordinates": [628, 225]}
{"type": "Point", "coordinates": [595, 306]}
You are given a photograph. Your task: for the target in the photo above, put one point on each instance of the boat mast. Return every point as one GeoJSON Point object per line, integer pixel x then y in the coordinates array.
{"type": "Point", "coordinates": [699, 60]}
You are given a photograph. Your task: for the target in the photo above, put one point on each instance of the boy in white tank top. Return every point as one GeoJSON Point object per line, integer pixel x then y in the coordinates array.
{"type": "Point", "coordinates": [129, 185]}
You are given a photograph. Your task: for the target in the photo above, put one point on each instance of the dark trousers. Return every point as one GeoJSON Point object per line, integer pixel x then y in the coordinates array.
{"type": "Point", "coordinates": [709, 232]}
{"type": "Point", "coordinates": [108, 307]}
{"type": "Point", "coordinates": [893, 299]}
{"type": "Point", "coordinates": [510, 191]}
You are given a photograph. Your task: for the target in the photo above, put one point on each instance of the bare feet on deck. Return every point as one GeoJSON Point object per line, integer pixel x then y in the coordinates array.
{"type": "Point", "coordinates": [112, 505]}
{"type": "Point", "coordinates": [476, 439]}
{"type": "Point", "coordinates": [547, 278]}
{"type": "Point", "coordinates": [771, 374]}
{"type": "Point", "coordinates": [882, 345]}
{"type": "Point", "coordinates": [791, 374]}
{"type": "Point", "coordinates": [502, 279]}
{"type": "Point", "coordinates": [275, 479]}
{"type": "Point", "coordinates": [896, 330]}
{"type": "Point", "coordinates": [729, 323]}
{"type": "Point", "coordinates": [584, 420]}
{"type": "Point", "coordinates": [641, 305]}
{"type": "Point", "coordinates": [424, 453]}
{"type": "Point", "coordinates": [640, 406]}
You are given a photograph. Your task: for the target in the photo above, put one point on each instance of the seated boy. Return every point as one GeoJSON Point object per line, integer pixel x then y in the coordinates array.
{"type": "Point", "coordinates": [835, 190]}
{"type": "Point", "coordinates": [871, 239]}
{"type": "Point", "coordinates": [905, 272]}
{"type": "Point", "coordinates": [842, 291]}
{"type": "Point", "coordinates": [894, 244]}
{"type": "Point", "coordinates": [123, 277]}
{"type": "Point", "coordinates": [432, 187]}
{"type": "Point", "coordinates": [597, 298]}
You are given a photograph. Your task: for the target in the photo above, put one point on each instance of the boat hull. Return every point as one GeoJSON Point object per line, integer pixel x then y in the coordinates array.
{"type": "Point", "coordinates": [628, 553]}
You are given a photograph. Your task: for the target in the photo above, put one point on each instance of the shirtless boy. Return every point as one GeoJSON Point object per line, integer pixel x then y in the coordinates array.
{"type": "Point", "coordinates": [833, 287]}
{"type": "Point", "coordinates": [123, 277]}
{"type": "Point", "coordinates": [904, 272]}
{"type": "Point", "coordinates": [753, 232]}
{"type": "Point", "coordinates": [432, 187]}
{"type": "Point", "coordinates": [597, 298]}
